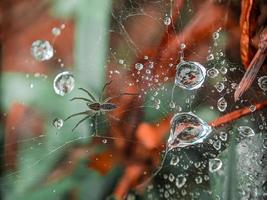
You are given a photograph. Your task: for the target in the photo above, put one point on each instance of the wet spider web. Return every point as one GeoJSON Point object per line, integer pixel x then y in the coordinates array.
{"type": "Point", "coordinates": [185, 173]}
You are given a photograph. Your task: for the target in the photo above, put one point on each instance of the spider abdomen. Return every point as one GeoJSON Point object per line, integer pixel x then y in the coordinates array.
{"type": "Point", "coordinates": [108, 106]}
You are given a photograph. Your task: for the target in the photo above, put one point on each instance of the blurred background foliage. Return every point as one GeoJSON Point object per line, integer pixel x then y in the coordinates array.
{"type": "Point", "coordinates": [41, 162]}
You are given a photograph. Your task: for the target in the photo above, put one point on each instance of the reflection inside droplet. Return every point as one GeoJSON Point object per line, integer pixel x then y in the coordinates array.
{"type": "Point", "coordinates": [187, 129]}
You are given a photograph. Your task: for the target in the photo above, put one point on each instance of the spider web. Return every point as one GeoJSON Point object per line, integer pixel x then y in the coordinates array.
{"type": "Point", "coordinates": [127, 41]}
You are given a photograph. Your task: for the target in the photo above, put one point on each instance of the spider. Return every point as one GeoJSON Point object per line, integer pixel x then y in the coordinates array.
{"type": "Point", "coordinates": [96, 107]}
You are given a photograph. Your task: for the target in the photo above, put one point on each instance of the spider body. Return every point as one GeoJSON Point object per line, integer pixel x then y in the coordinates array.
{"type": "Point", "coordinates": [96, 106]}
{"type": "Point", "coordinates": [102, 107]}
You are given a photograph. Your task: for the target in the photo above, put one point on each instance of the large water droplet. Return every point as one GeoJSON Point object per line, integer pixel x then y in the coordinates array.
{"type": "Point", "coordinates": [64, 83]}
{"type": "Point", "coordinates": [187, 129]}
{"type": "Point", "coordinates": [180, 181]}
{"type": "Point", "coordinates": [214, 165]}
{"type": "Point", "coordinates": [222, 104]}
{"type": "Point", "coordinates": [245, 131]}
{"type": "Point", "coordinates": [189, 75]}
{"type": "Point", "coordinates": [262, 82]}
{"type": "Point", "coordinates": [58, 123]}
{"type": "Point", "coordinates": [42, 50]}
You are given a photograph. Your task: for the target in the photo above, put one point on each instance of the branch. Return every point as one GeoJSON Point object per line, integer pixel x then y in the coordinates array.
{"type": "Point", "coordinates": [230, 117]}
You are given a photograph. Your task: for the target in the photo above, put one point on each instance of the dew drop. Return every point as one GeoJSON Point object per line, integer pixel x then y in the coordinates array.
{"type": "Point", "coordinates": [171, 177]}
{"type": "Point", "coordinates": [42, 50]}
{"type": "Point", "coordinates": [222, 104]}
{"type": "Point", "coordinates": [172, 104]}
{"type": "Point", "coordinates": [245, 131]}
{"type": "Point", "coordinates": [182, 46]}
{"type": "Point", "coordinates": [252, 108]}
{"type": "Point", "coordinates": [56, 31]}
{"type": "Point", "coordinates": [139, 66]}
{"type": "Point", "coordinates": [223, 70]}
{"type": "Point", "coordinates": [175, 160]}
{"type": "Point", "coordinates": [58, 123]}
{"type": "Point", "coordinates": [217, 145]}
{"type": "Point", "coordinates": [187, 129]}
{"type": "Point", "coordinates": [210, 57]}
{"type": "Point", "coordinates": [214, 165]}
{"type": "Point", "coordinates": [219, 86]}
{"type": "Point", "coordinates": [265, 143]}
{"type": "Point", "coordinates": [64, 83]}
{"type": "Point", "coordinates": [262, 82]}
{"type": "Point", "coordinates": [198, 179]}
{"type": "Point", "coordinates": [104, 141]}
{"type": "Point", "coordinates": [215, 35]}
{"type": "Point", "coordinates": [223, 136]}
{"type": "Point", "coordinates": [167, 20]}
{"type": "Point", "coordinates": [180, 181]}
{"type": "Point", "coordinates": [189, 75]}
{"type": "Point", "coordinates": [212, 73]}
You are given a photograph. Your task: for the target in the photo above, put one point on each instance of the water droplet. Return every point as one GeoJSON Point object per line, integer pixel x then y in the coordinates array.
{"type": "Point", "coordinates": [223, 136]}
{"type": "Point", "coordinates": [187, 129]}
{"type": "Point", "coordinates": [189, 75]}
{"type": "Point", "coordinates": [219, 86]}
{"type": "Point", "coordinates": [222, 104]}
{"type": "Point", "coordinates": [58, 123]}
{"type": "Point", "coordinates": [105, 141]}
{"type": "Point", "coordinates": [172, 104]}
{"type": "Point", "coordinates": [212, 73]}
{"type": "Point", "coordinates": [262, 82]}
{"type": "Point", "coordinates": [252, 108]}
{"type": "Point", "coordinates": [182, 46]}
{"type": "Point", "coordinates": [42, 50]}
{"type": "Point", "coordinates": [215, 35]}
{"type": "Point", "coordinates": [167, 20]}
{"type": "Point", "coordinates": [214, 165]}
{"type": "Point", "coordinates": [223, 70]}
{"type": "Point", "coordinates": [121, 61]}
{"type": "Point", "coordinates": [265, 143]}
{"type": "Point", "coordinates": [210, 57]}
{"type": "Point", "coordinates": [56, 31]}
{"type": "Point", "coordinates": [139, 66]}
{"type": "Point", "coordinates": [180, 181]}
{"type": "Point", "coordinates": [217, 145]}
{"type": "Point", "coordinates": [198, 179]}
{"type": "Point", "coordinates": [245, 131]}
{"type": "Point", "coordinates": [175, 160]}
{"type": "Point", "coordinates": [171, 177]}
{"type": "Point", "coordinates": [64, 83]}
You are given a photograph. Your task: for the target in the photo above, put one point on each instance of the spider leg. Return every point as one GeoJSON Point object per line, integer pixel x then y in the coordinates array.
{"type": "Point", "coordinates": [121, 94]}
{"type": "Point", "coordinates": [81, 98]}
{"type": "Point", "coordinates": [90, 95]}
{"type": "Point", "coordinates": [80, 122]}
{"type": "Point", "coordinates": [76, 114]}
{"type": "Point", "coordinates": [103, 89]}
